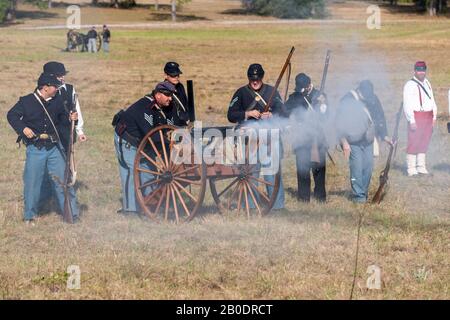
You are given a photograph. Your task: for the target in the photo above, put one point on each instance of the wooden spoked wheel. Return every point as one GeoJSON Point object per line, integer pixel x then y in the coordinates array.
{"type": "Point", "coordinates": [243, 187]}
{"type": "Point", "coordinates": [167, 190]}
{"type": "Point", "coordinates": [75, 41]}
{"type": "Point", "coordinates": [98, 41]}
{"type": "Point", "coordinates": [248, 191]}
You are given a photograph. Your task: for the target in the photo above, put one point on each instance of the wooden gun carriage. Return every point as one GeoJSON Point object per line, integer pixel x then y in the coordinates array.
{"type": "Point", "coordinates": [170, 189]}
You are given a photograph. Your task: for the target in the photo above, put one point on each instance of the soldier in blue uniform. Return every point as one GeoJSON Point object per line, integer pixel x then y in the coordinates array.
{"type": "Point", "coordinates": [131, 126]}
{"type": "Point", "coordinates": [69, 99]}
{"type": "Point", "coordinates": [179, 99]}
{"type": "Point", "coordinates": [69, 96]}
{"type": "Point", "coordinates": [248, 104]}
{"type": "Point", "coordinates": [249, 101]}
{"type": "Point", "coordinates": [309, 109]}
{"type": "Point", "coordinates": [37, 118]}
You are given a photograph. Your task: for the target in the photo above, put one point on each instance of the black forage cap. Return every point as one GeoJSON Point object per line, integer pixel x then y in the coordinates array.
{"type": "Point", "coordinates": [165, 87]}
{"type": "Point", "coordinates": [46, 79]}
{"type": "Point", "coordinates": [302, 81]}
{"type": "Point", "coordinates": [366, 89]}
{"type": "Point", "coordinates": [56, 68]}
{"type": "Point", "coordinates": [255, 72]}
{"type": "Point", "coordinates": [172, 68]}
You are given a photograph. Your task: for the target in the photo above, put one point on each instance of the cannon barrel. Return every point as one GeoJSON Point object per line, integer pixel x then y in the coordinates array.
{"type": "Point", "coordinates": [191, 103]}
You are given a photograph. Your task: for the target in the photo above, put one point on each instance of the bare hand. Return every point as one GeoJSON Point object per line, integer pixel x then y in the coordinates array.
{"type": "Point", "coordinates": [434, 122]}
{"type": "Point", "coordinates": [389, 140]}
{"type": "Point", "coordinates": [266, 115]}
{"type": "Point", "coordinates": [73, 116]}
{"type": "Point", "coordinates": [413, 126]}
{"type": "Point", "coordinates": [28, 133]}
{"type": "Point", "coordinates": [253, 114]}
{"type": "Point", "coordinates": [82, 137]}
{"type": "Point", "coordinates": [321, 99]}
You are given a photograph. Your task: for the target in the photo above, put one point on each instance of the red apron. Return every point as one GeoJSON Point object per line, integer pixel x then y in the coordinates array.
{"type": "Point", "coordinates": [419, 139]}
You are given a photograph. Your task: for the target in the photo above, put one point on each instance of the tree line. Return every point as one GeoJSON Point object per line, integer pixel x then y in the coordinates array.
{"type": "Point", "coordinates": [8, 8]}
{"type": "Point", "coordinates": [286, 9]}
{"type": "Point", "coordinates": [300, 9]}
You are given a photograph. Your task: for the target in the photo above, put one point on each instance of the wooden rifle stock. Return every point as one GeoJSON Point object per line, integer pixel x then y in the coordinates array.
{"type": "Point", "coordinates": [280, 77]}
{"type": "Point", "coordinates": [384, 175]}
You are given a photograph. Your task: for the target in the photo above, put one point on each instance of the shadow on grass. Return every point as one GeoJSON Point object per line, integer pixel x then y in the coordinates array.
{"type": "Point", "coordinates": [292, 192]}
{"type": "Point", "coordinates": [107, 4]}
{"type": "Point", "coordinates": [346, 194]}
{"type": "Point", "coordinates": [444, 167]}
{"type": "Point", "coordinates": [35, 15]}
{"type": "Point", "coordinates": [51, 204]}
{"type": "Point", "coordinates": [397, 166]}
{"type": "Point", "coordinates": [237, 11]}
{"type": "Point", "coordinates": [341, 193]}
{"type": "Point", "coordinates": [207, 210]}
{"type": "Point", "coordinates": [180, 17]}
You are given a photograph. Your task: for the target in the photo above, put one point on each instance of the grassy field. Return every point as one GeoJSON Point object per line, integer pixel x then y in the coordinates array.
{"type": "Point", "coordinates": [303, 252]}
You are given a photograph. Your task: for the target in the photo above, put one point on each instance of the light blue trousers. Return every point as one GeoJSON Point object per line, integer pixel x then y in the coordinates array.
{"type": "Point", "coordinates": [361, 166]}
{"type": "Point", "coordinates": [38, 165]}
{"type": "Point", "coordinates": [126, 153]}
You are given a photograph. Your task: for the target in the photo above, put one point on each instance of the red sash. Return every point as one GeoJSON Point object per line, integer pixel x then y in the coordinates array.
{"type": "Point", "coordinates": [419, 139]}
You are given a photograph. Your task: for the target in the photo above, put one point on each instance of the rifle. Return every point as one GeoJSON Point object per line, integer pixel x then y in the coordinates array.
{"type": "Point", "coordinates": [288, 78]}
{"type": "Point", "coordinates": [325, 72]}
{"type": "Point", "coordinates": [69, 172]}
{"type": "Point", "coordinates": [322, 88]}
{"type": "Point", "coordinates": [277, 84]}
{"type": "Point", "coordinates": [384, 175]}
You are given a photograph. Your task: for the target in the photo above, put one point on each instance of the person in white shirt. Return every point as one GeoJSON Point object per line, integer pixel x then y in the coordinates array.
{"type": "Point", "coordinates": [420, 110]}
{"type": "Point", "coordinates": [67, 93]}
{"type": "Point", "coordinates": [68, 97]}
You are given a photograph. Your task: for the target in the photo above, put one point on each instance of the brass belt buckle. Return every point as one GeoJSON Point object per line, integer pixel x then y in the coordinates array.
{"type": "Point", "coordinates": [43, 136]}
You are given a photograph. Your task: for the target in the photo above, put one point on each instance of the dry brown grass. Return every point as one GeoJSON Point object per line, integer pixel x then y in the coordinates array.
{"type": "Point", "coordinates": [306, 251]}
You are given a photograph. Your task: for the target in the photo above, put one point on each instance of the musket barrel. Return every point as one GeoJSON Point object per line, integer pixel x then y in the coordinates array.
{"type": "Point", "coordinates": [325, 71]}
{"type": "Point", "coordinates": [277, 84]}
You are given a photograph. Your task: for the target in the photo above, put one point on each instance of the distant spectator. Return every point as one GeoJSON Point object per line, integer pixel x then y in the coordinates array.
{"type": "Point", "coordinates": [92, 40]}
{"type": "Point", "coordinates": [106, 36]}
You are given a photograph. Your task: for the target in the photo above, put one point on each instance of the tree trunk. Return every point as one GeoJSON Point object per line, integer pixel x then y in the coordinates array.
{"type": "Point", "coordinates": [156, 5]}
{"type": "Point", "coordinates": [11, 15]}
{"type": "Point", "coordinates": [431, 8]}
{"type": "Point", "coordinates": [441, 6]}
{"type": "Point", "coordinates": [49, 4]}
{"type": "Point", "coordinates": [174, 10]}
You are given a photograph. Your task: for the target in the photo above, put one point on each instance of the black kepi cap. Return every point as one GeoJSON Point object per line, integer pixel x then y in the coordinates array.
{"type": "Point", "coordinates": [172, 68]}
{"type": "Point", "coordinates": [302, 81]}
{"type": "Point", "coordinates": [255, 72]}
{"type": "Point", "coordinates": [46, 79]}
{"type": "Point", "coordinates": [56, 68]}
{"type": "Point", "coordinates": [165, 87]}
{"type": "Point", "coordinates": [366, 89]}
